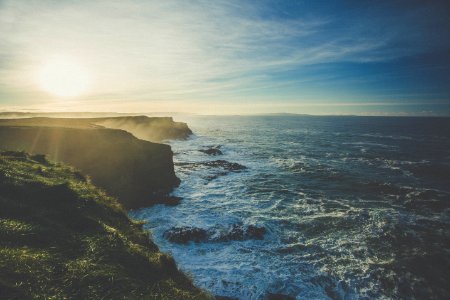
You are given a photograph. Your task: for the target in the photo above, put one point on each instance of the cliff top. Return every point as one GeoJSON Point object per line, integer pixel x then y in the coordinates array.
{"type": "Point", "coordinates": [154, 129]}
{"type": "Point", "coordinates": [85, 123]}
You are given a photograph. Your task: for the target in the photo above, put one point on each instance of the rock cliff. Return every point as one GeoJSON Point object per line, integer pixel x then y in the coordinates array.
{"type": "Point", "coordinates": [140, 173]}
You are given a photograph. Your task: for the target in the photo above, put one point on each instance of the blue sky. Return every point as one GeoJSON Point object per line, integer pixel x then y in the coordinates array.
{"type": "Point", "coordinates": [318, 57]}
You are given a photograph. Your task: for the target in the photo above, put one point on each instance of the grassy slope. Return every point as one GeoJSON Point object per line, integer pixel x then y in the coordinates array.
{"type": "Point", "coordinates": [61, 237]}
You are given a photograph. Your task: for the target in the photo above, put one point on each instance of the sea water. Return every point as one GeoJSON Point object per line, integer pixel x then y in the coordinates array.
{"type": "Point", "coordinates": [353, 207]}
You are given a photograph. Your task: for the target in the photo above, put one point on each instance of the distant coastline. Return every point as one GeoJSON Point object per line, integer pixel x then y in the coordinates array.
{"type": "Point", "coordinates": [7, 114]}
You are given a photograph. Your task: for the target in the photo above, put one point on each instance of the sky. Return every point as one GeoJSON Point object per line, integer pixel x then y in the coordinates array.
{"type": "Point", "coordinates": [228, 57]}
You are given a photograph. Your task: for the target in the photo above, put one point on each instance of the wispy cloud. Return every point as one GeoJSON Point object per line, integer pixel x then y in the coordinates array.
{"type": "Point", "coordinates": [170, 50]}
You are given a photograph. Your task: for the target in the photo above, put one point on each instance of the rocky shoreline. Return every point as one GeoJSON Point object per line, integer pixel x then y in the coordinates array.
{"type": "Point", "coordinates": [138, 172]}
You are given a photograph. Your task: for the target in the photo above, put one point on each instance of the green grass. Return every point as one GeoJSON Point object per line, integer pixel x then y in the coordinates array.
{"type": "Point", "coordinates": [63, 238]}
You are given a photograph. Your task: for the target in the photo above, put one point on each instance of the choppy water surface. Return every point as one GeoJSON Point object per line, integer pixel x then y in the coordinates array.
{"type": "Point", "coordinates": [353, 207]}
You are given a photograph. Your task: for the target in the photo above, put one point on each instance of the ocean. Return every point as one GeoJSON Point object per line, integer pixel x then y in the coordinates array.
{"type": "Point", "coordinates": [311, 207]}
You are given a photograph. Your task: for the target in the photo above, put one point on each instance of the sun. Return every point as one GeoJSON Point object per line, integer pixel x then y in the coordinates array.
{"type": "Point", "coordinates": [63, 77]}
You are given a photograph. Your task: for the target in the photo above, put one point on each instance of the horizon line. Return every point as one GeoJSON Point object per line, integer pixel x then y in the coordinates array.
{"type": "Point", "coordinates": [424, 114]}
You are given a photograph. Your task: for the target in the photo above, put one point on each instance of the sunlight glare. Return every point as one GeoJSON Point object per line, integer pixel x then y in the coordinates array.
{"type": "Point", "coordinates": [63, 77]}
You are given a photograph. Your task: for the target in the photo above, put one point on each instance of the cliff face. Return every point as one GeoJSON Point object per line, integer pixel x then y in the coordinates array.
{"type": "Point", "coordinates": [62, 238]}
{"type": "Point", "coordinates": [153, 129]}
{"type": "Point", "coordinates": [137, 172]}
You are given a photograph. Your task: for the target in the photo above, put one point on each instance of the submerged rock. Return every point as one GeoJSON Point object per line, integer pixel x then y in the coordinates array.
{"type": "Point", "coordinates": [183, 235]}
{"type": "Point", "coordinates": [239, 232]}
{"type": "Point", "coordinates": [255, 232]}
{"type": "Point", "coordinates": [271, 296]}
{"type": "Point", "coordinates": [229, 166]}
{"type": "Point", "coordinates": [212, 151]}
{"type": "Point", "coordinates": [218, 168]}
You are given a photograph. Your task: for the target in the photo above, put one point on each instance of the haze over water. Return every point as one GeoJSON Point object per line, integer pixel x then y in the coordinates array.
{"type": "Point", "coordinates": [354, 207]}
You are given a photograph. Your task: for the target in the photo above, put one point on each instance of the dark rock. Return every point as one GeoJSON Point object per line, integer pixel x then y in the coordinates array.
{"type": "Point", "coordinates": [236, 232]}
{"type": "Point", "coordinates": [271, 296]}
{"type": "Point", "coordinates": [239, 232]}
{"type": "Point", "coordinates": [229, 166]}
{"type": "Point", "coordinates": [219, 167]}
{"type": "Point", "coordinates": [255, 232]}
{"type": "Point", "coordinates": [211, 151]}
{"type": "Point", "coordinates": [183, 235]}
{"type": "Point", "coordinates": [226, 165]}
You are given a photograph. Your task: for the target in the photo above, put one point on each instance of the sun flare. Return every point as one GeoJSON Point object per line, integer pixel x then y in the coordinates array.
{"type": "Point", "coordinates": [63, 77]}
